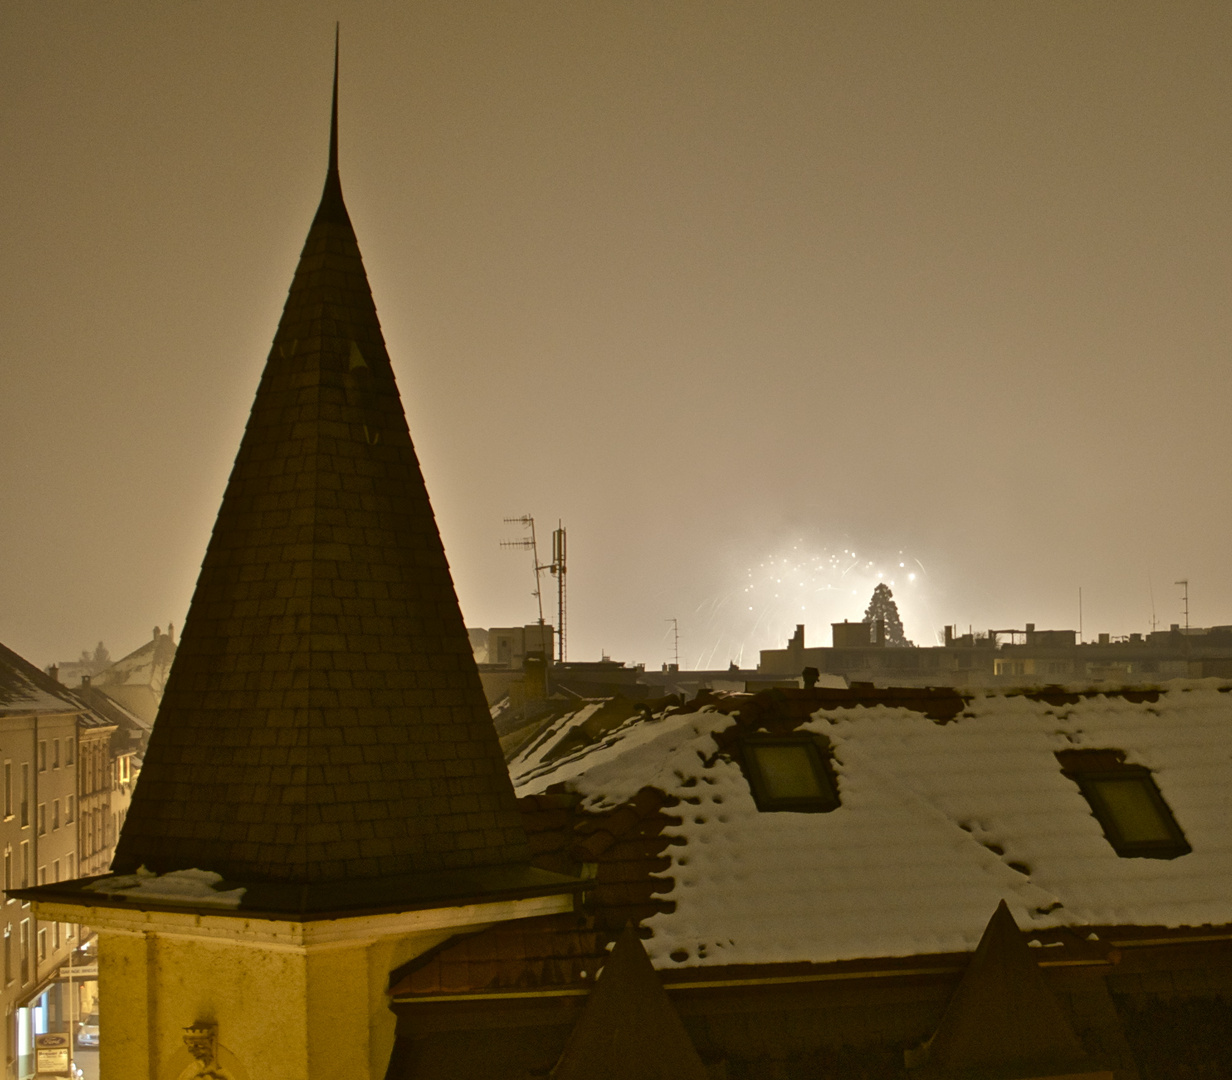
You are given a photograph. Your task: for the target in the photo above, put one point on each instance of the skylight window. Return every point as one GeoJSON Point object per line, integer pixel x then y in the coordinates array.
{"type": "Point", "coordinates": [1127, 803]}
{"type": "Point", "coordinates": [790, 772]}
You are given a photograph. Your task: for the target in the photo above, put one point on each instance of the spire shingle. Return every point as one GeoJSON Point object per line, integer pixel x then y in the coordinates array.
{"type": "Point", "coordinates": [324, 718]}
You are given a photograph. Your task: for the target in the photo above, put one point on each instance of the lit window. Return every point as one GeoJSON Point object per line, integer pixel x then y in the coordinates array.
{"type": "Point", "coordinates": [790, 773]}
{"type": "Point", "coordinates": [1127, 804]}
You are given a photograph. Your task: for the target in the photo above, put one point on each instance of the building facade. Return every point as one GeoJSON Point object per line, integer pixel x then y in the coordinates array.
{"type": "Point", "coordinates": [39, 724]}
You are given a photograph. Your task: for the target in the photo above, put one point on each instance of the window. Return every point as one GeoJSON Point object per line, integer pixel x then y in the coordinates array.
{"type": "Point", "coordinates": [55, 937]}
{"type": "Point", "coordinates": [25, 794]}
{"type": "Point", "coordinates": [69, 810]}
{"type": "Point", "coordinates": [790, 772]}
{"type": "Point", "coordinates": [55, 814]}
{"type": "Point", "coordinates": [1127, 804]}
{"type": "Point", "coordinates": [25, 864]}
{"type": "Point", "coordinates": [8, 954]}
{"type": "Point", "coordinates": [8, 872]}
{"type": "Point", "coordinates": [69, 748]}
{"type": "Point", "coordinates": [126, 769]}
{"type": "Point", "coordinates": [42, 944]}
{"type": "Point", "coordinates": [55, 871]}
{"type": "Point", "coordinates": [42, 756]}
{"type": "Point", "coordinates": [25, 951]}
{"type": "Point", "coordinates": [71, 860]}
{"type": "Point", "coordinates": [55, 753]}
{"type": "Point", "coordinates": [42, 818]}
{"type": "Point", "coordinates": [8, 790]}
{"type": "Point", "coordinates": [42, 875]}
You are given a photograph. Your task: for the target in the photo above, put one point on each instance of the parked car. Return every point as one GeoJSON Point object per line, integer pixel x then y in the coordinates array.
{"type": "Point", "coordinates": [87, 1032]}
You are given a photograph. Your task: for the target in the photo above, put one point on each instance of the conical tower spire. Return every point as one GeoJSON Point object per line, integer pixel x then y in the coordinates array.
{"type": "Point", "coordinates": [333, 115]}
{"type": "Point", "coordinates": [324, 719]}
{"type": "Point", "coordinates": [332, 207]}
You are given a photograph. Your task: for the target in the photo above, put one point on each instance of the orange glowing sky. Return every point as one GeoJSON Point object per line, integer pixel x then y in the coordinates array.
{"type": "Point", "coordinates": [709, 282]}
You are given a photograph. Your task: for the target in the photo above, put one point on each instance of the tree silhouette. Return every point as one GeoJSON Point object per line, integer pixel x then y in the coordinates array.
{"type": "Point", "coordinates": [882, 606]}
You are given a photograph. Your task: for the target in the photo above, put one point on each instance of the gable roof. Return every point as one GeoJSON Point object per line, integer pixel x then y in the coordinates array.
{"type": "Point", "coordinates": [145, 666]}
{"type": "Point", "coordinates": [629, 1030]}
{"type": "Point", "coordinates": [324, 720]}
{"type": "Point", "coordinates": [940, 819]}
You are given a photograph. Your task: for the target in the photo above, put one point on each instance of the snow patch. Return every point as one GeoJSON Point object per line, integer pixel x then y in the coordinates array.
{"type": "Point", "coordinates": [193, 887]}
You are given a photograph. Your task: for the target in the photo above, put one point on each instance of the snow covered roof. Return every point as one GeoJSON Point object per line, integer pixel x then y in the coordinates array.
{"type": "Point", "coordinates": [148, 665]}
{"type": "Point", "coordinates": [939, 820]}
{"type": "Point", "coordinates": [26, 689]}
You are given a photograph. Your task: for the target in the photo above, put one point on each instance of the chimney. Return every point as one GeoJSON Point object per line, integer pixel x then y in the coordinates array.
{"type": "Point", "coordinates": [949, 636]}
{"type": "Point", "coordinates": [880, 639]}
{"type": "Point", "coordinates": [85, 680]}
{"type": "Point", "coordinates": [54, 672]}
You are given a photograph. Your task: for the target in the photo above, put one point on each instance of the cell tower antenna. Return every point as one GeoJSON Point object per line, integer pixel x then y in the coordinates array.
{"type": "Point", "coordinates": [558, 568]}
{"type": "Point", "coordinates": [528, 522]}
{"type": "Point", "coordinates": [1184, 582]}
{"type": "Point", "coordinates": [675, 642]}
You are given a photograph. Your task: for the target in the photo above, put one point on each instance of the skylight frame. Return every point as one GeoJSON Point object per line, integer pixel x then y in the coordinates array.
{"type": "Point", "coordinates": [1106, 766]}
{"type": "Point", "coordinates": [818, 753]}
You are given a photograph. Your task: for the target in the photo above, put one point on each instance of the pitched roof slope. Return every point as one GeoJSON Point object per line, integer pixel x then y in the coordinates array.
{"type": "Point", "coordinates": [938, 822]}
{"type": "Point", "coordinates": [1003, 1015]}
{"type": "Point", "coordinates": [25, 689]}
{"type": "Point", "coordinates": [324, 718]}
{"type": "Point", "coordinates": [629, 1030]}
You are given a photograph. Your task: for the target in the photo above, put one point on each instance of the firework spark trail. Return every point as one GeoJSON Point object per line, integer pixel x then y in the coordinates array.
{"type": "Point", "coordinates": [805, 583]}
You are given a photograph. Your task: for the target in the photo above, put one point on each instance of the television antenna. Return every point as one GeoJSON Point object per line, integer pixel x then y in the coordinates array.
{"type": "Point", "coordinates": [675, 642]}
{"type": "Point", "coordinates": [558, 568]}
{"type": "Point", "coordinates": [528, 522]}
{"type": "Point", "coordinates": [1184, 582]}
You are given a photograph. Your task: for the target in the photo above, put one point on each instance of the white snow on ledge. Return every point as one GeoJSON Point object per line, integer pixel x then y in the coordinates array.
{"type": "Point", "coordinates": [190, 887]}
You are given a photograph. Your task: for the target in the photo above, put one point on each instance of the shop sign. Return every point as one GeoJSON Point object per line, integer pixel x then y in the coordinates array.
{"type": "Point", "coordinates": [51, 1055]}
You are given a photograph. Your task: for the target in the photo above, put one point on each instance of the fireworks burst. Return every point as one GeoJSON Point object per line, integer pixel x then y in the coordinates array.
{"type": "Point", "coordinates": [807, 583]}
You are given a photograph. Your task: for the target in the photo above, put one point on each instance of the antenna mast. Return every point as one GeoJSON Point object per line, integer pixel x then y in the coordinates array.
{"type": "Point", "coordinates": [675, 642]}
{"type": "Point", "coordinates": [528, 522]}
{"type": "Point", "coordinates": [558, 568]}
{"type": "Point", "coordinates": [1185, 582]}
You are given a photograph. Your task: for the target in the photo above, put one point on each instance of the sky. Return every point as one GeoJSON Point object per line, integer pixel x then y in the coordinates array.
{"type": "Point", "coordinates": [760, 299]}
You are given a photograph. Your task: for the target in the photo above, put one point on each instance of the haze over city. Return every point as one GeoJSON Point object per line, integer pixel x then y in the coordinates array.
{"type": "Point", "coordinates": [761, 301]}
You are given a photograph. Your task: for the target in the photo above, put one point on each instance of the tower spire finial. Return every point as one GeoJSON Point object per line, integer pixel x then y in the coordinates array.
{"type": "Point", "coordinates": [333, 120]}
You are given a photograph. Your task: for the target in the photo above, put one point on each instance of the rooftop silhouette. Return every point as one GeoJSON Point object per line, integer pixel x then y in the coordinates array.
{"type": "Point", "coordinates": [324, 719]}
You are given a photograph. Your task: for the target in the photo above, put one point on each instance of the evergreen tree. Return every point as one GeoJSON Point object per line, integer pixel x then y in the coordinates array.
{"type": "Point", "coordinates": [882, 606]}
